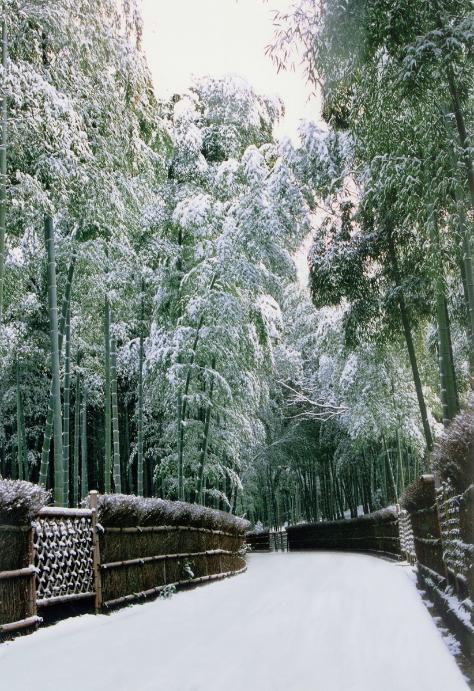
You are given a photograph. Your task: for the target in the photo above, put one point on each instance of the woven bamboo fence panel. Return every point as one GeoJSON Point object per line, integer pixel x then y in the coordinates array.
{"type": "Point", "coordinates": [407, 540]}
{"type": "Point", "coordinates": [63, 544]}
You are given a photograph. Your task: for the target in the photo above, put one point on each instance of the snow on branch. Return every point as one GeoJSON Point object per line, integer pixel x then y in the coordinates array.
{"type": "Point", "coordinates": [313, 409]}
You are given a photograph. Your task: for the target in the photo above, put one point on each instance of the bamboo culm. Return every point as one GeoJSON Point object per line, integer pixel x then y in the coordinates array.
{"type": "Point", "coordinates": [54, 343]}
{"type": "Point", "coordinates": [182, 401]}
{"type": "Point", "coordinates": [140, 400]}
{"type": "Point", "coordinates": [77, 422]}
{"type": "Point", "coordinates": [445, 362]}
{"type": "Point", "coordinates": [107, 408]}
{"type": "Point", "coordinates": [20, 424]}
{"type": "Point", "coordinates": [48, 430]}
{"type": "Point", "coordinates": [67, 405]}
{"type": "Point", "coordinates": [3, 167]}
{"type": "Point", "coordinates": [114, 407]}
{"type": "Point", "coordinates": [207, 424]}
{"type": "Point", "coordinates": [84, 460]}
{"type": "Point", "coordinates": [410, 345]}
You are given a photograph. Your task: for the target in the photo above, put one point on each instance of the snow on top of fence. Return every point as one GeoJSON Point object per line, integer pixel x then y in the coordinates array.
{"type": "Point", "coordinates": [20, 501]}
{"type": "Point", "coordinates": [127, 510]}
{"type": "Point", "coordinates": [387, 514]}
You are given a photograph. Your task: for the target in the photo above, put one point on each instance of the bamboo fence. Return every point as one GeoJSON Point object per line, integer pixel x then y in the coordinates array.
{"type": "Point", "coordinates": [66, 556]}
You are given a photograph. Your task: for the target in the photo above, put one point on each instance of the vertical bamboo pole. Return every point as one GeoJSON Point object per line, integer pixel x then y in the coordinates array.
{"type": "Point", "coordinates": [3, 167]}
{"type": "Point", "coordinates": [108, 412]}
{"type": "Point", "coordinates": [20, 431]}
{"type": "Point", "coordinates": [114, 405]}
{"type": "Point", "coordinates": [32, 606]}
{"type": "Point", "coordinates": [56, 384]}
{"type": "Point", "coordinates": [77, 423]}
{"type": "Point", "coordinates": [48, 429]}
{"type": "Point", "coordinates": [140, 401]}
{"type": "Point", "coordinates": [84, 468]}
{"type": "Point", "coordinates": [67, 406]}
{"type": "Point", "coordinates": [96, 551]}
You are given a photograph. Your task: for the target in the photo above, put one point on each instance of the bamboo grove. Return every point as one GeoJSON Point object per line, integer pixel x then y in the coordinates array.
{"type": "Point", "coordinates": [157, 333]}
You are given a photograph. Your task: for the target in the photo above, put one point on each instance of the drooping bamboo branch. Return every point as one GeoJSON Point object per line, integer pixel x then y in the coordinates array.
{"type": "Point", "coordinates": [54, 344]}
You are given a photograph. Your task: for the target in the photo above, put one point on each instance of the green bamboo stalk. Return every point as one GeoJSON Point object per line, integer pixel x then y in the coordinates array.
{"type": "Point", "coordinates": [20, 429]}
{"type": "Point", "coordinates": [114, 406]}
{"type": "Point", "coordinates": [3, 167]}
{"type": "Point", "coordinates": [67, 405]}
{"type": "Point", "coordinates": [405, 318]}
{"type": "Point", "coordinates": [84, 460]}
{"type": "Point", "coordinates": [447, 375]}
{"type": "Point", "coordinates": [140, 399]}
{"type": "Point", "coordinates": [183, 400]}
{"type": "Point", "coordinates": [48, 430]}
{"type": "Point", "coordinates": [77, 422]}
{"type": "Point", "coordinates": [108, 412]}
{"type": "Point", "coordinates": [54, 343]}
{"type": "Point", "coordinates": [207, 425]}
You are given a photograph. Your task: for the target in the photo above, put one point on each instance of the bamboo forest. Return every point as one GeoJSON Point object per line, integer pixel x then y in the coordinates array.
{"type": "Point", "coordinates": [215, 320]}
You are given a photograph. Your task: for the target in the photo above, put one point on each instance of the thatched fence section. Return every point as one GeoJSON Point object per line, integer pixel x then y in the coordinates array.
{"type": "Point", "coordinates": [266, 541]}
{"type": "Point", "coordinates": [375, 532]}
{"type": "Point", "coordinates": [20, 503]}
{"type": "Point", "coordinates": [114, 550]}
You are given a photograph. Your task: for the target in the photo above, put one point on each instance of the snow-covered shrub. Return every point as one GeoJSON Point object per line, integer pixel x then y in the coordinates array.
{"type": "Point", "coordinates": [126, 510]}
{"type": "Point", "coordinates": [20, 501]}
{"type": "Point", "coordinates": [419, 495]}
{"type": "Point", "coordinates": [453, 456]}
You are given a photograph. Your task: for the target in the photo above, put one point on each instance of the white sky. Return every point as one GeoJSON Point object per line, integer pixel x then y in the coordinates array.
{"type": "Point", "coordinates": [186, 38]}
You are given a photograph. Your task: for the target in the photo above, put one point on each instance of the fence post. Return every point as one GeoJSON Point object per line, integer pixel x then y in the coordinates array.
{"type": "Point", "coordinates": [96, 551]}
{"type": "Point", "coordinates": [32, 606]}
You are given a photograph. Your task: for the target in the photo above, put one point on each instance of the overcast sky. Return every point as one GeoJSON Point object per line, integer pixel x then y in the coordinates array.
{"type": "Point", "coordinates": [183, 38]}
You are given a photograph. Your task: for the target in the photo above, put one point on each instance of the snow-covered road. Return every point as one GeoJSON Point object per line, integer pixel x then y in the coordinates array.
{"type": "Point", "coordinates": [315, 621]}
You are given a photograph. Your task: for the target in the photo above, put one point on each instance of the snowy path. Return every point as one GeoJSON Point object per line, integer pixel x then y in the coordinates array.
{"type": "Point", "coordinates": [318, 621]}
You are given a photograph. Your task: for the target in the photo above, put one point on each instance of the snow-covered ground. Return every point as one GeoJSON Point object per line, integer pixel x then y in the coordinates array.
{"type": "Point", "coordinates": [316, 621]}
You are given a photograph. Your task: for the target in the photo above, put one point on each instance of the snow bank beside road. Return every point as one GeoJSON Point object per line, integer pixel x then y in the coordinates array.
{"type": "Point", "coordinates": [314, 621]}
